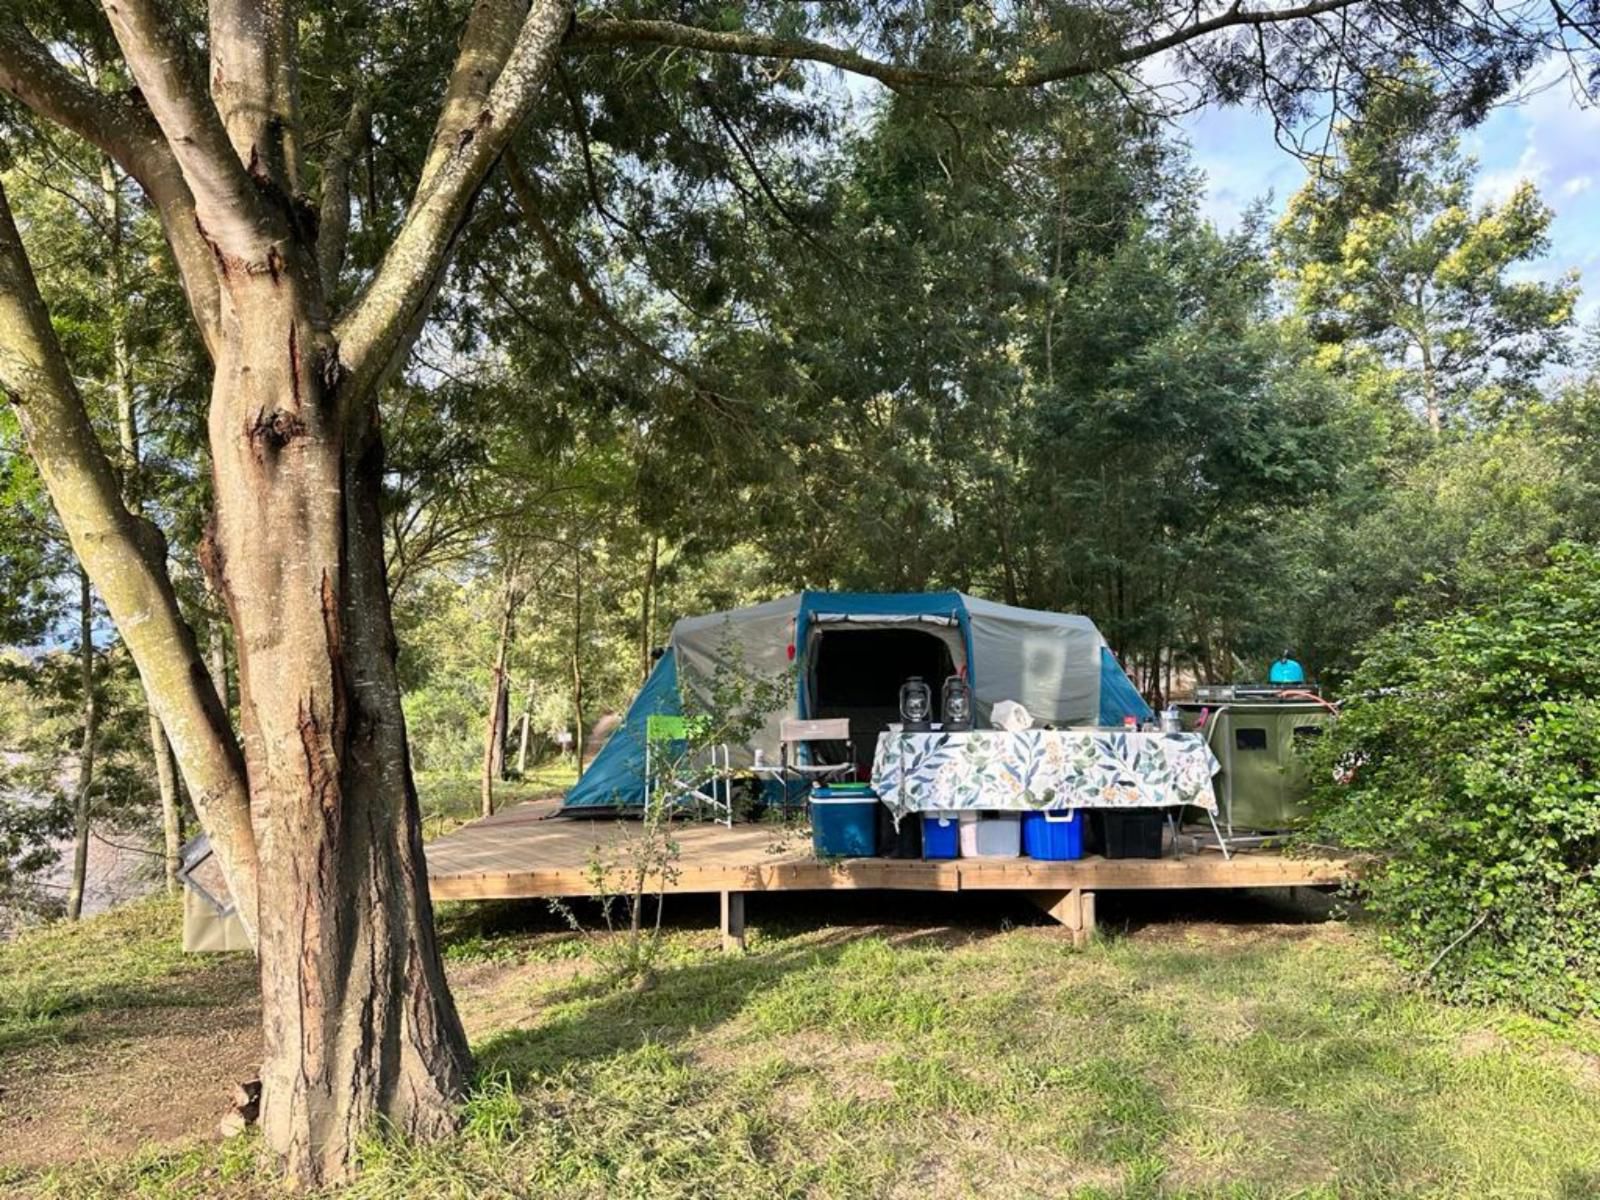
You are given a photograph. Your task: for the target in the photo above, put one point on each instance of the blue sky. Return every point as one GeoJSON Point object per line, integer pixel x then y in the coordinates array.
{"type": "Point", "coordinates": [1546, 138]}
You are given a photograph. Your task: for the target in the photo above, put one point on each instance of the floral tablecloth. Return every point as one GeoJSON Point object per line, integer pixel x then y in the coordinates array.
{"type": "Point", "coordinates": [1042, 768]}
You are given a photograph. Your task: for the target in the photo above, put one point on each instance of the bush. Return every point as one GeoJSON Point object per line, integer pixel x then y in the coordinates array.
{"type": "Point", "coordinates": [1470, 746]}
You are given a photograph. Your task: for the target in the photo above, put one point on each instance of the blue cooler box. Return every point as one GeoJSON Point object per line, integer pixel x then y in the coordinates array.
{"type": "Point", "coordinates": [941, 835]}
{"type": "Point", "coordinates": [844, 824]}
{"type": "Point", "coordinates": [1054, 836]}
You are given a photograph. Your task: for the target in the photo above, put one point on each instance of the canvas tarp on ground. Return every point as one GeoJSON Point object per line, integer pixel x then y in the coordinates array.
{"type": "Point", "coordinates": [1056, 664]}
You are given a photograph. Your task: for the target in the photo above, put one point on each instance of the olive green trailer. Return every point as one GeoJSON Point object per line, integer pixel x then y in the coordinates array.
{"type": "Point", "coordinates": [1262, 785]}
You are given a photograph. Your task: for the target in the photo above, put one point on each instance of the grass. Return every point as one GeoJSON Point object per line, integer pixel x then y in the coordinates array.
{"type": "Point", "coordinates": [958, 1049]}
{"type": "Point", "coordinates": [55, 979]}
{"type": "Point", "coordinates": [449, 801]}
{"type": "Point", "coordinates": [970, 1054]}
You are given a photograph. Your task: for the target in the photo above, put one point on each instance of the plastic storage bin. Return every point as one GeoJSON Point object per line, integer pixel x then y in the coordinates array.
{"type": "Point", "coordinates": [941, 835]}
{"type": "Point", "coordinates": [1054, 835]}
{"type": "Point", "coordinates": [844, 824]}
{"type": "Point", "coordinates": [904, 842]}
{"type": "Point", "coordinates": [991, 835]}
{"type": "Point", "coordinates": [1132, 832]}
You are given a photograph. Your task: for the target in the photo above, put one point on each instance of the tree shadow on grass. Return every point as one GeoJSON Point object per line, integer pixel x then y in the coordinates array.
{"type": "Point", "coordinates": [100, 1007]}
{"type": "Point", "coordinates": [1155, 911]}
{"type": "Point", "coordinates": [596, 1019]}
{"type": "Point", "coordinates": [791, 933]}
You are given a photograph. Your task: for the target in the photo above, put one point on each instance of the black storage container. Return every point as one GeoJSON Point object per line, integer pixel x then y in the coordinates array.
{"type": "Point", "coordinates": [1132, 832]}
{"type": "Point", "coordinates": [907, 842]}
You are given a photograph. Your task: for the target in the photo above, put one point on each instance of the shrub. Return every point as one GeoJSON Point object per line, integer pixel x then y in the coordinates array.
{"type": "Point", "coordinates": [1470, 750]}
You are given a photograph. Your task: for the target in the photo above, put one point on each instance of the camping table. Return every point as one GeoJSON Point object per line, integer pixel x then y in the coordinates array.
{"type": "Point", "coordinates": [1043, 769]}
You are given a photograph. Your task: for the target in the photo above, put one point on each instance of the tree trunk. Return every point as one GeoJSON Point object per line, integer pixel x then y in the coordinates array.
{"type": "Point", "coordinates": [1430, 391]}
{"type": "Point", "coordinates": [324, 850]}
{"type": "Point", "coordinates": [494, 725]}
{"type": "Point", "coordinates": [527, 724]}
{"type": "Point", "coordinates": [85, 782]}
{"type": "Point", "coordinates": [133, 493]}
{"type": "Point", "coordinates": [646, 615]}
{"type": "Point", "coordinates": [577, 660]}
{"type": "Point", "coordinates": [171, 816]}
{"type": "Point", "coordinates": [359, 1025]}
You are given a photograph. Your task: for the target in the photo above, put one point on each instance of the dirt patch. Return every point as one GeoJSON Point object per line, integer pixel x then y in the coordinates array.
{"type": "Point", "coordinates": [127, 1079]}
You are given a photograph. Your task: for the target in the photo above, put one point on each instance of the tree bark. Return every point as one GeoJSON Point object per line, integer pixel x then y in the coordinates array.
{"type": "Point", "coordinates": [85, 781]}
{"type": "Point", "coordinates": [217, 664]}
{"type": "Point", "coordinates": [359, 1026]}
{"type": "Point", "coordinates": [1430, 387]}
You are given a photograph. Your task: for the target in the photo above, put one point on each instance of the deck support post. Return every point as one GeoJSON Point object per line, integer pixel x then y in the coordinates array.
{"type": "Point", "coordinates": [1073, 909]}
{"type": "Point", "coordinates": [733, 922]}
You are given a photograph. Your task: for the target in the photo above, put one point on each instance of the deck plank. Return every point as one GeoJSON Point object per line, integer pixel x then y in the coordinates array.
{"type": "Point", "coordinates": [525, 852]}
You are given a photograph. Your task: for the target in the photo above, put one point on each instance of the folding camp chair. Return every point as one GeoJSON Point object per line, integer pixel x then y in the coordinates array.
{"type": "Point", "coordinates": [796, 738]}
{"type": "Point", "coordinates": [666, 742]}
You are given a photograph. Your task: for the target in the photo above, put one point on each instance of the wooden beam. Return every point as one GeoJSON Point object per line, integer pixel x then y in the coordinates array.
{"type": "Point", "coordinates": [1065, 908]}
{"type": "Point", "coordinates": [519, 855]}
{"type": "Point", "coordinates": [733, 922]}
{"type": "Point", "coordinates": [1074, 909]}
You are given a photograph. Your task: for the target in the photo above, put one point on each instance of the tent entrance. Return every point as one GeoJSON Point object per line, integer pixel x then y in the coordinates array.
{"type": "Point", "coordinates": [856, 669]}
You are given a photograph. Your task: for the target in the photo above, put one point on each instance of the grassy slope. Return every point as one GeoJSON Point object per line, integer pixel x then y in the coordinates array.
{"type": "Point", "coordinates": [959, 1057]}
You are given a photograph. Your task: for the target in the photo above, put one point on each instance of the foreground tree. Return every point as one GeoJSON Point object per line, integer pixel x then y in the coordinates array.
{"type": "Point", "coordinates": [314, 816]}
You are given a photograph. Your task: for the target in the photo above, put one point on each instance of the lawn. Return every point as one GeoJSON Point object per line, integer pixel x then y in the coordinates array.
{"type": "Point", "coordinates": [867, 1045]}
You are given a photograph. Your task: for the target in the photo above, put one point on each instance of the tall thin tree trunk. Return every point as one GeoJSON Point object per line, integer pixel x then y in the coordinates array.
{"type": "Point", "coordinates": [494, 727]}
{"type": "Point", "coordinates": [171, 814]}
{"type": "Point", "coordinates": [646, 613]}
{"type": "Point", "coordinates": [577, 659]}
{"type": "Point", "coordinates": [1430, 390]}
{"type": "Point", "coordinates": [133, 494]}
{"type": "Point", "coordinates": [527, 725]}
{"type": "Point", "coordinates": [85, 782]}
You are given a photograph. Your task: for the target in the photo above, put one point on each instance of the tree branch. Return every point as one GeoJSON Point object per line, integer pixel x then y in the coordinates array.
{"type": "Point", "coordinates": [125, 556]}
{"type": "Point", "coordinates": [229, 209]}
{"type": "Point", "coordinates": [373, 335]}
{"type": "Point", "coordinates": [568, 266]}
{"type": "Point", "coordinates": [610, 33]}
{"type": "Point", "coordinates": [333, 225]}
{"type": "Point", "coordinates": [255, 85]}
{"type": "Point", "coordinates": [124, 129]}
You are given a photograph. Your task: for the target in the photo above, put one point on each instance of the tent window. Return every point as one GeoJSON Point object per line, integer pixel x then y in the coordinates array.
{"type": "Point", "coordinates": [1306, 733]}
{"type": "Point", "coordinates": [1250, 739]}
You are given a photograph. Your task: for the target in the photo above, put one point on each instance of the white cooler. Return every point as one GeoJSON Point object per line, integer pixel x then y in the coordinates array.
{"type": "Point", "coordinates": [991, 835]}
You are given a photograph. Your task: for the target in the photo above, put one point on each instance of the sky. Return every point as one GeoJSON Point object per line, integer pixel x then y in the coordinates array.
{"type": "Point", "coordinates": [1546, 138]}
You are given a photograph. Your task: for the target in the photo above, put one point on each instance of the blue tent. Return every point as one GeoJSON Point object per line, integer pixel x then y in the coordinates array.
{"type": "Point", "coordinates": [850, 652]}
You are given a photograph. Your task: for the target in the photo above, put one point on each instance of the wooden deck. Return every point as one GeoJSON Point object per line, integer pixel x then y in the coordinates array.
{"type": "Point", "coordinates": [527, 852]}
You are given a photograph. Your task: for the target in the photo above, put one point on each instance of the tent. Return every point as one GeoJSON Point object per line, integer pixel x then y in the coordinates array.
{"type": "Point", "coordinates": [849, 652]}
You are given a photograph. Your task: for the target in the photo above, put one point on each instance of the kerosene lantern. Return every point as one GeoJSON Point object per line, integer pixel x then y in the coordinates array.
{"type": "Point", "coordinates": [957, 703]}
{"type": "Point", "coordinates": [916, 705]}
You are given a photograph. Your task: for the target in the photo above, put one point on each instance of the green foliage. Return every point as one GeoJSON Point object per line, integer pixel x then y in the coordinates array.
{"type": "Point", "coordinates": [1469, 746]}
{"type": "Point", "coordinates": [1387, 254]}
